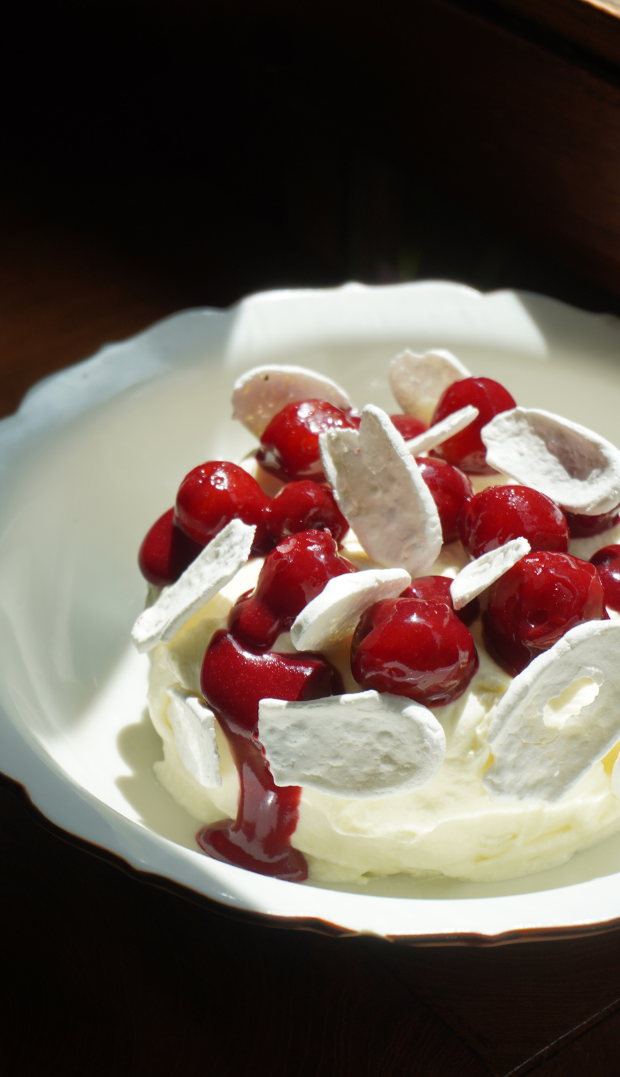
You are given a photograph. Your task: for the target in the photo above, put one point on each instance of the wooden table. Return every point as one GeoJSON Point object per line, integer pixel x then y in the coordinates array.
{"type": "Point", "coordinates": [106, 973]}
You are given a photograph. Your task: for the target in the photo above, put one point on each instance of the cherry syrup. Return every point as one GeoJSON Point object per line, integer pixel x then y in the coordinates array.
{"type": "Point", "coordinates": [234, 679]}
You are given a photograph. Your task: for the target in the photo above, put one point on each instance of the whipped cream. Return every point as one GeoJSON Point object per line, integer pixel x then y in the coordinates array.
{"type": "Point", "coordinates": [449, 826]}
{"type": "Point", "coordinates": [455, 823]}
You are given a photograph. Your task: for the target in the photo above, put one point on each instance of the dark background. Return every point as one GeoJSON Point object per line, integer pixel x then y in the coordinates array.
{"type": "Point", "coordinates": [156, 157]}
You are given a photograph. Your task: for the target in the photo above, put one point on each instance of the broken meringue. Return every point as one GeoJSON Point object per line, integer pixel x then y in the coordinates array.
{"type": "Point", "coordinates": [365, 745]}
{"type": "Point", "coordinates": [572, 465]}
{"type": "Point", "coordinates": [380, 491]}
{"type": "Point", "coordinates": [418, 381]}
{"type": "Point", "coordinates": [558, 718]}
{"type": "Point", "coordinates": [193, 725]}
{"type": "Point", "coordinates": [441, 431]}
{"type": "Point", "coordinates": [475, 577]}
{"type": "Point", "coordinates": [214, 567]}
{"type": "Point", "coordinates": [332, 616]}
{"type": "Point", "coordinates": [264, 391]}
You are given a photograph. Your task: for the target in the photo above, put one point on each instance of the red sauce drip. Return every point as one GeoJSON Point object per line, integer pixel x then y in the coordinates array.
{"type": "Point", "coordinates": [234, 680]}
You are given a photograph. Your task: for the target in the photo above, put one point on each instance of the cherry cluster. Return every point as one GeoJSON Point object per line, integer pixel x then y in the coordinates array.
{"type": "Point", "coordinates": [217, 492]}
{"type": "Point", "coordinates": [416, 645]}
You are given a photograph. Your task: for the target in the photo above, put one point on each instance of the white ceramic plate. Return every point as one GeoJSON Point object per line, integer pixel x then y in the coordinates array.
{"type": "Point", "coordinates": [96, 453]}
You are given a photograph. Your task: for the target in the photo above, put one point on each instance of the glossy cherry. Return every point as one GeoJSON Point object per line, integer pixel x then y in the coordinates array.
{"type": "Point", "coordinates": [501, 513]}
{"type": "Point", "coordinates": [215, 493]}
{"type": "Point", "coordinates": [536, 602]}
{"type": "Point", "coordinates": [413, 648]}
{"type": "Point", "coordinates": [290, 444]}
{"type": "Point", "coordinates": [466, 449]}
{"type": "Point", "coordinates": [607, 564]}
{"type": "Point", "coordinates": [233, 681]}
{"type": "Point", "coordinates": [450, 489]}
{"type": "Point", "coordinates": [584, 526]}
{"type": "Point", "coordinates": [166, 551]}
{"type": "Point", "coordinates": [304, 506]}
{"type": "Point", "coordinates": [292, 575]}
{"type": "Point", "coordinates": [409, 426]}
{"type": "Point", "coordinates": [437, 589]}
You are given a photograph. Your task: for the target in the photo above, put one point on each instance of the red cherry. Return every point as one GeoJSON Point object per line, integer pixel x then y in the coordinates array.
{"type": "Point", "coordinates": [535, 603]}
{"type": "Point", "coordinates": [304, 506]}
{"type": "Point", "coordinates": [415, 649]}
{"type": "Point", "coordinates": [437, 589]}
{"type": "Point", "coordinates": [409, 426]}
{"type": "Point", "coordinates": [290, 444]}
{"type": "Point", "coordinates": [607, 564]}
{"type": "Point", "coordinates": [584, 526]}
{"type": "Point", "coordinates": [450, 489]}
{"type": "Point", "coordinates": [233, 681]}
{"type": "Point", "coordinates": [466, 449]}
{"type": "Point", "coordinates": [292, 575]}
{"type": "Point", "coordinates": [501, 513]}
{"type": "Point", "coordinates": [166, 552]}
{"type": "Point", "coordinates": [215, 493]}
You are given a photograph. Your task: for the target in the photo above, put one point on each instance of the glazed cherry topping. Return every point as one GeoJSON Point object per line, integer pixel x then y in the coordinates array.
{"type": "Point", "coordinates": [437, 589]}
{"type": "Point", "coordinates": [215, 493]}
{"type": "Point", "coordinates": [413, 648]}
{"type": "Point", "coordinates": [290, 444]}
{"type": "Point", "coordinates": [292, 575]}
{"type": "Point", "coordinates": [607, 564]}
{"type": "Point", "coordinates": [501, 513]}
{"type": "Point", "coordinates": [450, 489]}
{"type": "Point", "coordinates": [166, 552]}
{"type": "Point", "coordinates": [584, 526]}
{"type": "Point", "coordinates": [409, 426]}
{"type": "Point", "coordinates": [536, 602]}
{"type": "Point", "coordinates": [233, 681]}
{"type": "Point", "coordinates": [304, 506]}
{"type": "Point", "coordinates": [465, 449]}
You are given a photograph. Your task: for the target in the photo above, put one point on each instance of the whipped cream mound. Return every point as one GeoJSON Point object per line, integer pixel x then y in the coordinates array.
{"type": "Point", "coordinates": [493, 786]}
{"type": "Point", "coordinates": [449, 826]}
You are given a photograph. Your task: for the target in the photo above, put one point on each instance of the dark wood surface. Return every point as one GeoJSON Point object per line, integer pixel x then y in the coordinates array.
{"type": "Point", "coordinates": [106, 973]}
{"type": "Point", "coordinates": [512, 105]}
{"type": "Point", "coordinates": [590, 24]}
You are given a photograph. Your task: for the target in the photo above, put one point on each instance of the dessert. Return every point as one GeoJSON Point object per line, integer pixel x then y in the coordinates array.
{"type": "Point", "coordinates": [344, 687]}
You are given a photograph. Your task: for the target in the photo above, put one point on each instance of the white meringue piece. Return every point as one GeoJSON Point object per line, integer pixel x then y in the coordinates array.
{"type": "Point", "coordinates": [381, 492]}
{"type": "Point", "coordinates": [558, 717]}
{"type": "Point", "coordinates": [364, 745]}
{"type": "Point", "coordinates": [214, 567]}
{"type": "Point", "coordinates": [418, 381]}
{"type": "Point", "coordinates": [572, 465]}
{"type": "Point", "coordinates": [475, 577]}
{"type": "Point", "coordinates": [333, 614]}
{"type": "Point", "coordinates": [441, 431]}
{"type": "Point", "coordinates": [264, 391]}
{"type": "Point", "coordinates": [193, 725]}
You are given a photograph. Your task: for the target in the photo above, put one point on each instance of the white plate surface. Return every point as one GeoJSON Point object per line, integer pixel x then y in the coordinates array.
{"type": "Point", "coordinates": [96, 453]}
